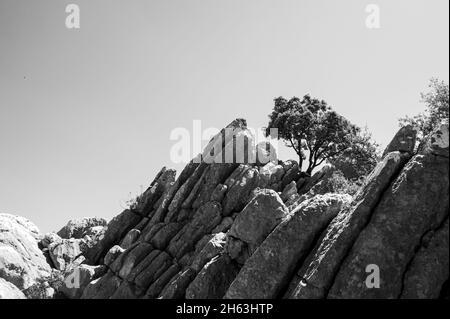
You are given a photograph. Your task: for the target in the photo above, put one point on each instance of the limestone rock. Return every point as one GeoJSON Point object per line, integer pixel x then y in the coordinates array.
{"type": "Point", "coordinates": [213, 248]}
{"type": "Point", "coordinates": [268, 270]}
{"type": "Point", "coordinates": [9, 291]}
{"type": "Point", "coordinates": [403, 141]}
{"type": "Point", "coordinates": [21, 261]}
{"type": "Point", "coordinates": [430, 267]}
{"type": "Point", "coordinates": [63, 253]}
{"type": "Point", "coordinates": [78, 228]}
{"type": "Point", "coordinates": [113, 254]}
{"type": "Point", "coordinates": [316, 277]}
{"type": "Point", "coordinates": [213, 280]}
{"type": "Point", "coordinates": [239, 192]}
{"type": "Point", "coordinates": [48, 239]}
{"type": "Point", "coordinates": [78, 278]}
{"type": "Point", "coordinates": [415, 203]}
{"type": "Point", "coordinates": [130, 238]}
{"type": "Point", "coordinates": [437, 142]}
{"type": "Point", "coordinates": [115, 231]}
{"type": "Point", "coordinates": [258, 219]}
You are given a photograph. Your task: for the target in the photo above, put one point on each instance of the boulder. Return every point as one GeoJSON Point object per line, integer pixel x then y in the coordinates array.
{"type": "Point", "coordinates": [63, 253]}
{"type": "Point", "coordinates": [116, 229]}
{"type": "Point", "coordinates": [130, 238]}
{"type": "Point", "coordinates": [270, 176]}
{"type": "Point", "coordinates": [267, 272]}
{"type": "Point", "coordinates": [261, 215]}
{"type": "Point", "coordinates": [48, 239]}
{"type": "Point", "coordinates": [78, 228]}
{"type": "Point", "coordinates": [9, 291]}
{"type": "Point", "coordinates": [21, 261]}
{"type": "Point", "coordinates": [113, 254]}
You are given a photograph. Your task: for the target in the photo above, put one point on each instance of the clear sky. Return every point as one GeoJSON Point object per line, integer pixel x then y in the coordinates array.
{"type": "Point", "coordinates": [86, 115]}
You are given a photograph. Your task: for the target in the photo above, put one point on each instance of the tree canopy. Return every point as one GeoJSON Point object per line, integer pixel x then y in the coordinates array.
{"type": "Point", "coordinates": [317, 133]}
{"type": "Point", "coordinates": [437, 108]}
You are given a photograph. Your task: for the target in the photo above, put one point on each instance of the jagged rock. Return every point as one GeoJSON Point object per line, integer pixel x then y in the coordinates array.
{"type": "Point", "coordinates": [9, 291]}
{"type": "Point", "coordinates": [115, 231]}
{"type": "Point", "coordinates": [21, 262]}
{"type": "Point", "coordinates": [317, 247]}
{"type": "Point", "coordinates": [257, 220]}
{"type": "Point", "coordinates": [316, 277]}
{"type": "Point", "coordinates": [403, 141]}
{"type": "Point", "coordinates": [184, 191]}
{"type": "Point", "coordinates": [78, 228]}
{"type": "Point", "coordinates": [233, 144]}
{"type": "Point", "coordinates": [78, 278]}
{"type": "Point", "coordinates": [324, 173]}
{"type": "Point", "coordinates": [292, 173]}
{"type": "Point", "coordinates": [214, 175]}
{"type": "Point", "coordinates": [270, 175]}
{"type": "Point", "coordinates": [415, 203]}
{"type": "Point", "coordinates": [268, 270]}
{"type": "Point", "coordinates": [213, 280]}
{"type": "Point", "coordinates": [171, 188]}
{"type": "Point", "coordinates": [63, 253]}
{"type": "Point", "coordinates": [48, 239]}
{"type": "Point", "coordinates": [430, 267]}
{"type": "Point", "coordinates": [147, 200]}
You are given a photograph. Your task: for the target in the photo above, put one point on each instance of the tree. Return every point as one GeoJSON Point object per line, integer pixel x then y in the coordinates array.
{"type": "Point", "coordinates": [437, 109]}
{"type": "Point", "coordinates": [312, 129]}
{"type": "Point", "coordinates": [360, 159]}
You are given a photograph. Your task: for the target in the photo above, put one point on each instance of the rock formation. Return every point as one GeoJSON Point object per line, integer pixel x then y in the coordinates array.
{"type": "Point", "coordinates": [22, 263]}
{"type": "Point", "coordinates": [255, 229]}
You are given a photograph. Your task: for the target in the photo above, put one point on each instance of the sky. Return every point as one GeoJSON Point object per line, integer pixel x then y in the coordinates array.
{"type": "Point", "coordinates": [86, 114]}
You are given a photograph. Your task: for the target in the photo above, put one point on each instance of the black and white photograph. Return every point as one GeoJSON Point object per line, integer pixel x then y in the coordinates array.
{"type": "Point", "coordinates": [223, 159]}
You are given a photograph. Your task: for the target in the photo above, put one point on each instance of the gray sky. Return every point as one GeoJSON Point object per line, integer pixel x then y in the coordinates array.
{"type": "Point", "coordinates": [86, 115]}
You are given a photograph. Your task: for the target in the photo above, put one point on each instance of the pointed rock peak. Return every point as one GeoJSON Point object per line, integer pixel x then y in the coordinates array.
{"type": "Point", "coordinates": [403, 141]}
{"type": "Point", "coordinates": [238, 123]}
